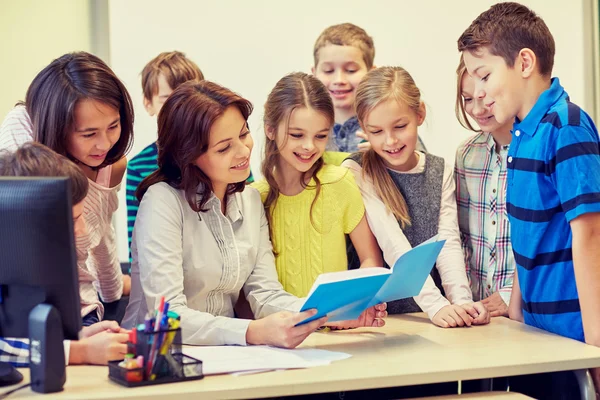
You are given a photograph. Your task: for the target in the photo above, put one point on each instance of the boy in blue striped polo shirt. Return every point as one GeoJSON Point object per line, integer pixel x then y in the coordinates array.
{"type": "Point", "coordinates": [160, 77]}
{"type": "Point", "coordinates": [553, 190]}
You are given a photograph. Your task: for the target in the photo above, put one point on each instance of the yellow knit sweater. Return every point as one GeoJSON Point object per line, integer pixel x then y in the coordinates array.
{"type": "Point", "coordinates": [304, 248]}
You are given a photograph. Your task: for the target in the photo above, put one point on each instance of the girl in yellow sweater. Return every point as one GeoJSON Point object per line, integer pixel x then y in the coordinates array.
{"type": "Point", "coordinates": [310, 205]}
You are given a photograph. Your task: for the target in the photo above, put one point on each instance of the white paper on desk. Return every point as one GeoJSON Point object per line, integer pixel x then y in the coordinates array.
{"type": "Point", "coordinates": [229, 359]}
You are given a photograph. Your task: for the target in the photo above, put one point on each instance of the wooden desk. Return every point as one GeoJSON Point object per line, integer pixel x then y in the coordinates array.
{"type": "Point", "coordinates": [480, 396]}
{"type": "Point", "coordinates": [409, 350]}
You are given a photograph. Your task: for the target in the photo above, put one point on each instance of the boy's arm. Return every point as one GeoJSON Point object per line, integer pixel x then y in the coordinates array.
{"type": "Point", "coordinates": [586, 253]}
{"type": "Point", "coordinates": [586, 260]}
{"type": "Point", "coordinates": [515, 310]}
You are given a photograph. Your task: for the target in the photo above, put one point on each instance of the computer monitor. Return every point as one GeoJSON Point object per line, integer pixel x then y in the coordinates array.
{"type": "Point", "coordinates": [38, 262]}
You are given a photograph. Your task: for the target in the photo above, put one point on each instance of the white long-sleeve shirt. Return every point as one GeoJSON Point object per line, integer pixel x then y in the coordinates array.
{"type": "Point", "coordinates": [393, 242]}
{"type": "Point", "coordinates": [200, 261]}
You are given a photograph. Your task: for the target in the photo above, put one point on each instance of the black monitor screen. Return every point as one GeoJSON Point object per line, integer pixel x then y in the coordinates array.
{"type": "Point", "coordinates": [38, 263]}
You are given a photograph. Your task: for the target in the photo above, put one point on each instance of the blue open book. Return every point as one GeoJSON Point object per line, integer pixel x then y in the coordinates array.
{"type": "Point", "coordinates": [345, 295]}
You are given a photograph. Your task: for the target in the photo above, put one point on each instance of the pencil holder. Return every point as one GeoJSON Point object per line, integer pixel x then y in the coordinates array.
{"type": "Point", "coordinates": [163, 361]}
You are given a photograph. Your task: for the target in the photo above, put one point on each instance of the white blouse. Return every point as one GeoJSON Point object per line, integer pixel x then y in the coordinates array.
{"type": "Point", "coordinates": [200, 261]}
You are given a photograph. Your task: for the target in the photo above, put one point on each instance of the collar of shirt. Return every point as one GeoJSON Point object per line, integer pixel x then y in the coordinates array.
{"type": "Point", "coordinates": [491, 145]}
{"type": "Point", "coordinates": [350, 125]}
{"type": "Point", "coordinates": [233, 211]}
{"type": "Point", "coordinates": [546, 100]}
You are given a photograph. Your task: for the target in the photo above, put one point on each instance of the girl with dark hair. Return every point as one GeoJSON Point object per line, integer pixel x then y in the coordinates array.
{"type": "Point", "coordinates": [77, 107]}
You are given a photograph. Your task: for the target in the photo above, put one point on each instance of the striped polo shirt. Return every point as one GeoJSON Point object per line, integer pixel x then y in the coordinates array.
{"type": "Point", "coordinates": [553, 177]}
{"type": "Point", "coordinates": [140, 166]}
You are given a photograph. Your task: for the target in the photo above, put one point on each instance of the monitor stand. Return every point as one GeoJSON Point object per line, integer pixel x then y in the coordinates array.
{"type": "Point", "coordinates": [9, 375]}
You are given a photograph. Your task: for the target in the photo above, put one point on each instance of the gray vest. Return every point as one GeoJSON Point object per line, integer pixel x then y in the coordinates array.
{"type": "Point", "coordinates": [423, 195]}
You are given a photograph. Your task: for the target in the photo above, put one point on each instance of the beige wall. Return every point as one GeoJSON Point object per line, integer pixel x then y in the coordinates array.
{"type": "Point", "coordinates": [248, 46]}
{"type": "Point", "coordinates": [32, 34]}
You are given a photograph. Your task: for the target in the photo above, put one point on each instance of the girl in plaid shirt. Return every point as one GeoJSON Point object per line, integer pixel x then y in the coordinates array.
{"type": "Point", "coordinates": [480, 173]}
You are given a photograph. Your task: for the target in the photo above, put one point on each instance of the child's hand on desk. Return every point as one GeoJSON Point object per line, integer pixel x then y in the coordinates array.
{"type": "Point", "coordinates": [371, 317]}
{"type": "Point", "coordinates": [479, 312]}
{"type": "Point", "coordinates": [280, 330]}
{"type": "Point", "coordinates": [496, 305]}
{"type": "Point", "coordinates": [451, 316]}
{"type": "Point", "coordinates": [99, 344]}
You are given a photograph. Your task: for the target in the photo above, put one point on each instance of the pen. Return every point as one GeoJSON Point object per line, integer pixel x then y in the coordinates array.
{"type": "Point", "coordinates": [152, 354]}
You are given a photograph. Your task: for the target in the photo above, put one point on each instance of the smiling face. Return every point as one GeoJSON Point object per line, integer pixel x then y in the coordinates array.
{"type": "Point", "coordinates": [340, 69]}
{"type": "Point", "coordinates": [498, 86]}
{"type": "Point", "coordinates": [476, 108]}
{"type": "Point", "coordinates": [392, 129]}
{"type": "Point", "coordinates": [97, 128]}
{"type": "Point", "coordinates": [227, 159]}
{"type": "Point", "coordinates": [302, 141]}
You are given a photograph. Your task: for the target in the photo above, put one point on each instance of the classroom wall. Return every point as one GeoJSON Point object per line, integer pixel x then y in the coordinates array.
{"type": "Point", "coordinates": [248, 46]}
{"type": "Point", "coordinates": [32, 34]}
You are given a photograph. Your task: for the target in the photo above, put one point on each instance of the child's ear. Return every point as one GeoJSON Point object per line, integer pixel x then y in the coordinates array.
{"type": "Point", "coordinates": [312, 70]}
{"type": "Point", "coordinates": [270, 132]}
{"type": "Point", "coordinates": [421, 113]}
{"type": "Point", "coordinates": [373, 67]}
{"type": "Point", "coordinates": [526, 62]}
{"type": "Point", "coordinates": [148, 107]}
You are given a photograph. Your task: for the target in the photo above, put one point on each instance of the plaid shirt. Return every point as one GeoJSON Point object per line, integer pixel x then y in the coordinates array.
{"type": "Point", "coordinates": [480, 173]}
{"type": "Point", "coordinates": [15, 352]}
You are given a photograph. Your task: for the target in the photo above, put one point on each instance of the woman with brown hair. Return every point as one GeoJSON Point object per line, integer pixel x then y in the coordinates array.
{"type": "Point", "coordinates": [201, 236]}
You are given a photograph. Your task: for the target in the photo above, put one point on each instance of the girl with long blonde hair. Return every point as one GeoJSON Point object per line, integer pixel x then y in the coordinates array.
{"type": "Point", "coordinates": [409, 195]}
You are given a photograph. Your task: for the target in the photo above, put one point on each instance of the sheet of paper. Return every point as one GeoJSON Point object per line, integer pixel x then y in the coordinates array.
{"type": "Point", "coordinates": [231, 359]}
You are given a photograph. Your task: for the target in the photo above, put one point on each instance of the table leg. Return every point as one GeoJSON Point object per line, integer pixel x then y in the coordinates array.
{"type": "Point", "coordinates": [586, 384]}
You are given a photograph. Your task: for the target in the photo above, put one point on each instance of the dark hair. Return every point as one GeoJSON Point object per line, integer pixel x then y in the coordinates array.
{"type": "Point", "coordinates": [507, 28]}
{"type": "Point", "coordinates": [34, 159]}
{"type": "Point", "coordinates": [184, 124]}
{"type": "Point", "coordinates": [55, 91]}
{"type": "Point", "coordinates": [175, 67]}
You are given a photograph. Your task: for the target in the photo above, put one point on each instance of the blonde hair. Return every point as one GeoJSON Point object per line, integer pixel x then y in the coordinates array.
{"type": "Point", "coordinates": [459, 108]}
{"type": "Point", "coordinates": [378, 86]}
{"type": "Point", "coordinates": [346, 34]}
{"type": "Point", "coordinates": [293, 91]}
{"type": "Point", "coordinates": [175, 67]}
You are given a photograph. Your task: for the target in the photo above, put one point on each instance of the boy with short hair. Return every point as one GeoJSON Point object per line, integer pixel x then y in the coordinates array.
{"type": "Point", "coordinates": [553, 190]}
{"type": "Point", "coordinates": [343, 54]}
{"type": "Point", "coordinates": [160, 77]}
{"type": "Point", "coordinates": [102, 341]}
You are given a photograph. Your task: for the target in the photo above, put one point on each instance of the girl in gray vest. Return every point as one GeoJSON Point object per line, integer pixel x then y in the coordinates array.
{"type": "Point", "coordinates": [409, 195]}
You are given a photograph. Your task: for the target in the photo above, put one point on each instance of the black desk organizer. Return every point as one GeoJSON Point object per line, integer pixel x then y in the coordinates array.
{"type": "Point", "coordinates": [171, 367]}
